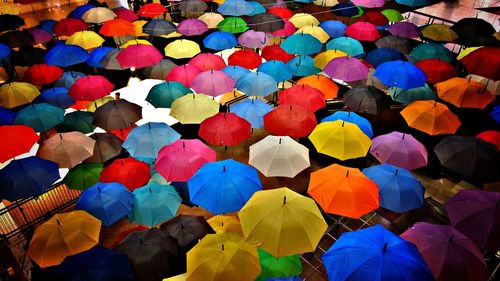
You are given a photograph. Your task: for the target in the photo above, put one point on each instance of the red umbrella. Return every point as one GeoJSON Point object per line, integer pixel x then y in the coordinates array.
{"type": "Point", "coordinates": [225, 129]}
{"type": "Point", "coordinates": [128, 171]}
{"type": "Point", "coordinates": [287, 30]}
{"type": "Point", "coordinates": [68, 26]}
{"type": "Point", "coordinates": [275, 52]}
{"type": "Point", "coordinates": [183, 74]}
{"type": "Point", "coordinates": [42, 74]}
{"type": "Point", "coordinates": [245, 58]}
{"type": "Point", "coordinates": [122, 133]}
{"type": "Point", "coordinates": [151, 10]}
{"type": "Point", "coordinates": [117, 27]}
{"type": "Point", "coordinates": [491, 136]}
{"type": "Point", "coordinates": [304, 96]}
{"type": "Point", "coordinates": [125, 233]}
{"type": "Point", "coordinates": [363, 31]}
{"type": "Point", "coordinates": [374, 17]}
{"type": "Point", "coordinates": [283, 13]}
{"type": "Point", "coordinates": [290, 120]}
{"type": "Point", "coordinates": [90, 88]}
{"type": "Point", "coordinates": [436, 70]}
{"type": "Point", "coordinates": [208, 61]}
{"type": "Point", "coordinates": [484, 62]}
{"type": "Point", "coordinates": [16, 140]}
{"type": "Point", "coordinates": [139, 56]}
{"type": "Point", "coordinates": [126, 14]}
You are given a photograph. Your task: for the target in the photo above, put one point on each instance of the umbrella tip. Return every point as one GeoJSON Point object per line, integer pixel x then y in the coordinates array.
{"type": "Point", "coordinates": [150, 192]}
{"type": "Point", "coordinates": [223, 168]}
{"type": "Point", "coordinates": [58, 222]}
{"type": "Point", "coordinates": [280, 141]}
{"type": "Point", "coordinates": [347, 173]}
{"type": "Point", "coordinates": [343, 122]}
{"type": "Point", "coordinates": [222, 247]}
{"type": "Point", "coordinates": [284, 200]}
{"type": "Point", "coordinates": [385, 248]}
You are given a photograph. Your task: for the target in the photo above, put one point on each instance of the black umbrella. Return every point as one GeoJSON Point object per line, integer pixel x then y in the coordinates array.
{"type": "Point", "coordinates": [117, 114]}
{"type": "Point", "coordinates": [366, 99]}
{"type": "Point", "coordinates": [10, 22]}
{"type": "Point", "coordinates": [107, 146]}
{"type": "Point", "coordinates": [193, 6]}
{"type": "Point", "coordinates": [265, 23]}
{"type": "Point", "coordinates": [159, 70]}
{"type": "Point", "coordinates": [110, 62]}
{"type": "Point", "coordinates": [473, 27]}
{"type": "Point", "coordinates": [403, 45]}
{"type": "Point", "coordinates": [469, 157]}
{"type": "Point", "coordinates": [16, 38]}
{"type": "Point", "coordinates": [28, 56]}
{"type": "Point", "coordinates": [152, 254]}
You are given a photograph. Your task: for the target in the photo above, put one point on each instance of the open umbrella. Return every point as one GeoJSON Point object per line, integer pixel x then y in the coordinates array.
{"type": "Point", "coordinates": [41, 116]}
{"type": "Point", "coordinates": [16, 38]}
{"type": "Point", "coordinates": [431, 50]}
{"type": "Point", "coordinates": [235, 8]}
{"type": "Point", "coordinates": [381, 55]}
{"type": "Point", "coordinates": [83, 175]}
{"type": "Point", "coordinates": [252, 110]}
{"type": "Point", "coordinates": [232, 25]}
{"type": "Point", "coordinates": [225, 223]}
{"type": "Point", "coordinates": [257, 84]}
{"type": "Point", "coordinates": [303, 66]}
{"type": "Point", "coordinates": [86, 39]}
{"type": "Point", "coordinates": [303, 19]}
{"type": "Point", "coordinates": [208, 61]}
{"type": "Point", "coordinates": [147, 140]}
{"type": "Point", "coordinates": [277, 69]}
{"type": "Point", "coordinates": [399, 149]}
{"type": "Point", "coordinates": [436, 70]}
{"type": "Point", "coordinates": [346, 69]}
{"type": "Point", "coordinates": [64, 55]}
{"type": "Point", "coordinates": [410, 95]}
{"type": "Point", "coordinates": [351, 117]}
{"type": "Point", "coordinates": [245, 58]}
{"type": "Point", "coordinates": [322, 83]}
{"type": "Point", "coordinates": [42, 74]}
{"type": "Point", "coordinates": [253, 39]}
{"type": "Point", "coordinates": [138, 56]}
{"type": "Point", "coordinates": [224, 129]}
{"type": "Point", "coordinates": [10, 22]}
{"type": "Point", "coordinates": [212, 83]}
{"type": "Point", "coordinates": [67, 149]}
{"type": "Point", "coordinates": [117, 27]}
{"type": "Point", "coordinates": [265, 22]}
{"type": "Point", "coordinates": [404, 29]}
{"type": "Point", "coordinates": [183, 74]}
{"type": "Point", "coordinates": [301, 44]}
{"type": "Point", "coordinates": [322, 59]}
{"type": "Point", "coordinates": [193, 108]}
{"type": "Point", "coordinates": [430, 117]}
{"type": "Point", "coordinates": [363, 31]}
{"type": "Point", "coordinates": [316, 31]}
{"type": "Point", "coordinates": [182, 48]}
{"type": "Point", "coordinates": [106, 147]}
{"type": "Point", "coordinates": [439, 33]}
{"type": "Point", "coordinates": [400, 74]}
{"type": "Point", "coordinates": [117, 114]}
{"type": "Point", "coordinates": [275, 52]}
{"type": "Point", "coordinates": [57, 96]}
{"type": "Point", "coordinates": [192, 27]}
{"type": "Point", "coordinates": [290, 120]}
{"type": "Point", "coordinates": [304, 96]}
{"type": "Point", "coordinates": [464, 93]}
{"type": "Point", "coordinates": [98, 15]}
{"type": "Point", "coordinates": [17, 93]}
{"type": "Point", "coordinates": [16, 140]}
{"type": "Point", "coordinates": [159, 70]}
{"type": "Point", "coordinates": [128, 171]}
{"type": "Point", "coordinates": [347, 45]}
{"type": "Point", "coordinates": [68, 26]}
{"type": "Point", "coordinates": [90, 88]}
{"type": "Point", "coordinates": [220, 40]}
{"type": "Point", "coordinates": [274, 267]}
{"type": "Point", "coordinates": [484, 62]}
{"type": "Point", "coordinates": [151, 10]}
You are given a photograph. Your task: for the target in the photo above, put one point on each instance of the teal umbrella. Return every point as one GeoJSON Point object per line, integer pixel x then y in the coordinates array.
{"type": "Point", "coordinates": [162, 95]}
{"type": "Point", "coordinates": [431, 50]}
{"type": "Point", "coordinates": [347, 45]}
{"type": "Point", "coordinates": [303, 66]}
{"type": "Point", "coordinates": [411, 95]}
{"type": "Point", "coordinates": [80, 121]}
{"type": "Point", "coordinates": [301, 44]}
{"type": "Point", "coordinates": [83, 175]}
{"type": "Point", "coordinates": [277, 69]}
{"type": "Point", "coordinates": [41, 117]}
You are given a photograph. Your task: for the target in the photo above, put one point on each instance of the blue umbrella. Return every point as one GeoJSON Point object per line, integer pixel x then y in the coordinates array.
{"type": "Point", "coordinates": [220, 40]}
{"type": "Point", "coordinates": [47, 25]}
{"type": "Point", "coordinates": [41, 116]}
{"type": "Point", "coordinates": [374, 253]}
{"type": "Point", "coordinates": [346, 10]}
{"type": "Point", "coordinates": [431, 50]}
{"type": "Point", "coordinates": [415, 3]}
{"type": "Point", "coordinates": [96, 56]}
{"type": "Point", "coordinates": [109, 202]}
{"type": "Point", "coordinates": [4, 51]}
{"type": "Point", "coordinates": [6, 116]}
{"type": "Point", "coordinates": [27, 177]}
{"type": "Point", "coordinates": [146, 140]}
{"type": "Point", "coordinates": [223, 186]}
{"type": "Point", "coordinates": [235, 71]}
{"type": "Point", "coordinates": [80, 10]}
{"type": "Point", "coordinates": [235, 8]}
{"type": "Point", "coordinates": [252, 110]}
{"type": "Point", "coordinates": [347, 45]}
{"type": "Point", "coordinates": [57, 96]}
{"type": "Point", "coordinates": [381, 55]}
{"type": "Point", "coordinates": [400, 74]}
{"type": "Point", "coordinates": [257, 84]}
{"type": "Point", "coordinates": [495, 114]}
{"type": "Point", "coordinates": [303, 66]}
{"type": "Point", "coordinates": [301, 44]}
{"type": "Point", "coordinates": [333, 28]}
{"type": "Point", "coordinates": [257, 8]}
{"type": "Point", "coordinates": [399, 190]}
{"type": "Point", "coordinates": [66, 55]}
{"type": "Point", "coordinates": [277, 69]}
{"type": "Point", "coordinates": [364, 125]}
{"type": "Point", "coordinates": [411, 95]}
{"type": "Point", "coordinates": [154, 204]}
{"type": "Point", "coordinates": [68, 78]}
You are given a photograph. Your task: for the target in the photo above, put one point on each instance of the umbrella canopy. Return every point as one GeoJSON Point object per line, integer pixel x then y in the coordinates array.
{"type": "Point", "coordinates": [430, 117]}
{"type": "Point", "coordinates": [363, 31]}
{"type": "Point", "coordinates": [182, 48]}
{"type": "Point", "coordinates": [193, 6]}
{"type": "Point", "coordinates": [276, 156]}
{"type": "Point", "coordinates": [346, 69]}
{"type": "Point", "coordinates": [464, 93]}
{"type": "Point", "coordinates": [85, 39]}
{"type": "Point", "coordinates": [138, 56]}
{"type": "Point", "coordinates": [277, 69]}
{"type": "Point", "coordinates": [436, 70]}
{"type": "Point", "coordinates": [187, 231]}
{"type": "Point", "coordinates": [68, 26]}
{"type": "Point", "coordinates": [333, 28]}
{"type": "Point", "coordinates": [106, 147]}
{"type": "Point", "coordinates": [257, 84]}
{"type": "Point", "coordinates": [322, 59]}
{"type": "Point", "coordinates": [235, 8]}
{"type": "Point", "coordinates": [63, 235]}
{"type": "Point", "coordinates": [439, 33]}
{"type": "Point", "coordinates": [57, 96]}
{"type": "Point", "coordinates": [128, 171]}
{"type": "Point", "coordinates": [245, 58]}
{"type": "Point", "coordinates": [223, 186]}
{"type": "Point", "coordinates": [322, 83]}
{"type": "Point", "coordinates": [212, 83]}
{"type": "Point", "coordinates": [16, 140]}
{"type": "Point", "coordinates": [65, 55]}
{"type": "Point", "coordinates": [253, 39]}
{"type": "Point", "coordinates": [347, 45]}
{"type": "Point", "coordinates": [274, 267]}
{"type": "Point", "coordinates": [220, 40]}
{"type": "Point", "coordinates": [159, 70]}
{"type": "Point", "coordinates": [10, 22]}
{"type": "Point", "coordinates": [117, 27]}
{"type": "Point", "coordinates": [304, 96]}
{"type": "Point", "coordinates": [285, 222]}
{"type": "Point", "coordinates": [316, 31]}
{"type": "Point", "coordinates": [431, 50]}
{"type": "Point", "coordinates": [17, 93]}
{"type": "Point", "coordinates": [225, 223]}
{"type": "Point", "coordinates": [290, 120]}
{"type": "Point", "coordinates": [252, 110]}
{"type": "Point", "coordinates": [404, 29]}
{"type": "Point", "coordinates": [41, 116]}
{"type": "Point", "coordinates": [126, 14]}
{"type": "Point", "coordinates": [67, 149]}
{"type": "Point", "coordinates": [303, 19]}
{"type": "Point", "coordinates": [232, 25]}
{"type": "Point", "coordinates": [16, 38]}
{"type": "Point", "coordinates": [490, 136]}
{"type": "Point", "coordinates": [400, 74]}
{"type": "Point", "coordinates": [303, 66]}
{"type": "Point", "coordinates": [399, 149]}
{"type": "Point", "coordinates": [117, 114]}
{"type": "Point", "coordinates": [193, 108]}
{"type": "Point", "coordinates": [275, 52]}
{"type": "Point", "coordinates": [208, 61]}
{"type": "Point", "coordinates": [484, 62]}
{"type": "Point", "coordinates": [224, 129]}
{"type": "Point", "coordinates": [151, 10]}
{"type": "Point", "coordinates": [147, 140]}
{"type": "Point", "coordinates": [183, 74]}
{"type": "Point", "coordinates": [90, 88]}
{"type": "Point", "coordinates": [448, 253]}
{"type": "Point", "coordinates": [381, 55]}
{"type": "Point", "coordinates": [42, 74]}
{"type": "Point", "coordinates": [192, 27]}
{"type": "Point", "coordinates": [266, 22]}
{"type": "Point", "coordinates": [411, 95]}
{"type": "Point", "coordinates": [301, 44]}
{"type": "Point", "coordinates": [98, 15]}
{"type": "Point", "coordinates": [378, 252]}
{"type": "Point", "coordinates": [351, 117]}
{"type": "Point", "coordinates": [68, 78]}
{"type": "Point", "coordinates": [83, 175]}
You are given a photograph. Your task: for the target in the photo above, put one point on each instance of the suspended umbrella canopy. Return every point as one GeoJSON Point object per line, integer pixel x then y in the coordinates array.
{"type": "Point", "coordinates": [369, 3]}
{"type": "Point", "coordinates": [40, 35]}
{"type": "Point", "coordinates": [160, 70]}
{"type": "Point", "coordinates": [399, 149]}
{"type": "Point", "coordinates": [404, 29]}
{"type": "Point", "coordinates": [411, 95]}
{"type": "Point", "coordinates": [117, 27]}
{"type": "Point", "coordinates": [27, 56]}
{"type": "Point", "coordinates": [245, 58]}
{"type": "Point", "coordinates": [192, 27]}
{"type": "Point", "coordinates": [366, 99]}
{"type": "Point", "coordinates": [146, 140]}
{"type": "Point", "coordinates": [41, 116]}
{"type": "Point", "coordinates": [273, 267]}
{"type": "Point", "coordinates": [346, 69]}
{"type": "Point", "coordinates": [290, 120]}
{"type": "Point", "coordinates": [257, 84]}
{"type": "Point", "coordinates": [208, 61]}
{"type": "Point", "coordinates": [301, 44]}
{"type": "Point", "coordinates": [225, 223]}
{"type": "Point", "coordinates": [184, 74]}
{"type": "Point", "coordinates": [266, 22]}
{"type": "Point", "coordinates": [400, 74]}
{"type": "Point", "coordinates": [277, 69]}
{"type": "Point", "coordinates": [79, 11]}
{"type": "Point", "coordinates": [403, 45]}
{"type": "Point", "coordinates": [126, 14]}
{"type": "Point", "coordinates": [211, 19]}
{"type": "Point", "coordinates": [287, 30]}
{"type": "Point", "coordinates": [158, 27]}
{"type": "Point", "coordinates": [303, 66]}
{"type": "Point", "coordinates": [490, 136]}
{"type": "Point", "coordinates": [381, 55]}
{"type": "Point", "coordinates": [95, 57]}
{"type": "Point", "coordinates": [463, 92]}
{"type": "Point", "coordinates": [154, 203]}
{"type": "Point", "coordinates": [363, 31]}
{"type": "Point", "coordinates": [333, 28]}
{"type": "Point", "coordinates": [212, 83]}
{"type": "Point", "coordinates": [98, 15]}
{"type": "Point", "coordinates": [15, 94]}
{"type": "Point", "coordinates": [252, 110]}
{"type": "Point", "coordinates": [373, 17]}
{"type": "Point", "coordinates": [117, 114]}
{"type": "Point", "coordinates": [235, 8]}
{"type": "Point", "coordinates": [303, 19]}
{"type": "Point", "coordinates": [10, 22]}
{"type": "Point", "coordinates": [322, 83]}
{"type": "Point", "coordinates": [483, 62]}
{"type": "Point", "coordinates": [91, 88]}
{"type": "Point", "coordinates": [235, 72]}
{"type": "Point", "coordinates": [68, 78]}
{"type": "Point", "coordinates": [436, 70]}
{"type": "Point", "coordinates": [220, 40]}
{"type": "Point", "coordinates": [322, 59]}
{"type": "Point", "coordinates": [351, 117]}
{"type": "Point", "coordinates": [430, 117]}
{"type": "Point", "coordinates": [193, 6]}
{"type": "Point", "coordinates": [67, 149]}
{"type": "Point", "coordinates": [138, 56]}
{"type": "Point", "coordinates": [253, 39]}
{"type": "Point", "coordinates": [431, 50]}
{"type": "Point", "coordinates": [80, 121]}
{"type": "Point", "coordinates": [224, 129]}
{"type": "Point", "coordinates": [65, 55]}
{"type": "Point", "coordinates": [128, 171]}
{"type": "Point", "coordinates": [16, 140]}
{"type": "Point", "coordinates": [107, 146]}
{"type": "Point", "coordinates": [151, 10]}
{"type": "Point", "coordinates": [83, 175]}
{"type": "Point", "coordinates": [347, 45]}
{"type": "Point", "coordinates": [86, 39]}
{"type": "Point", "coordinates": [162, 95]}
{"type": "Point", "coordinates": [193, 108]}
{"type": "Point", "coordinates": [275, 52]}
{"type": "Point", "coordinates": [304, 96]}
{"type": "Point", "coordinates": [232, 25]}
{"type": "Point", "coordinates": [16, 39]}
{"type": "Point", "coordinates": [439, 33]}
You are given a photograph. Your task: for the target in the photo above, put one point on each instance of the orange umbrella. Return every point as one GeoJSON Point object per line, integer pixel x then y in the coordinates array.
{"type": "Point", "coordinates": [322, 83]}
{"type": "Point", "coordinates": [117, 27]}
{"type": "Point", "coordinates": [462, 92]}
{"type": "Point", "coordinates": [344, 191]}
{"type": "Point", "coordinates": [430, 117]}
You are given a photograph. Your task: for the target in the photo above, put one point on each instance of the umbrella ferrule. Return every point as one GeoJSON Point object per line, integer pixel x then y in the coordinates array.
{"type": "Point", "coordinates": [284, 200]}
{"type": "Point", "coordinates": [347, 173]}
{"type": "Point", "coordinates": [224, 168]}
{"type": "Point", "coordinates": [385, 248]}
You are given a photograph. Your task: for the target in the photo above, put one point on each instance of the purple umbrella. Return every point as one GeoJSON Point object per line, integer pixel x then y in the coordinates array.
{"type": "Point", "coordinates": [212, 83]}
{"type": "Point", "coordinates": [192, 27]}
{"type": "Point", "coordinates": [347, 69]}
{"type": "Point", "coordinates": [41, 36]}
{"type": "Point", "coordinates": [476, 214]}
{"type": "Point", "coordinates": [399, 149]}
{"type": "Point", "coordinates": [449, 254]}
{"type": "Point", "coordinates": [404, 29]}
{"type": "Point", "coordinates": [253, 39]}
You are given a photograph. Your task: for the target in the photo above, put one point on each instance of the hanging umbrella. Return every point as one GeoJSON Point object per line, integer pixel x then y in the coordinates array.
{"type": "Point", "coordinates": [275, 267]}
{"type": "Point", "coordinates": [154, 203]}
{"type": "Point", "coordinates": [400, 74]}
{"type": "Point", "coordinates": [192, 6]}
{"type": "Point", "coordinates": [316, 31]}
{"type": "Point", "coordinates": [392, 15]}
{"type": "Point", "coordinates": [483, 62]}
{"type": "Point", "coordinates": [235, 8]}
{"type": "Point", "coordinates": [57, 96]}
{"type": "Point", "coordinates": [64, 55]}
{"type": "Point", "coordinates": [117, 27]}
{"type": "Point", "coordinates": [80, 121]}
{"type": "Point", "coordinates": [401, 44]}
{"type": "Point", "coordinates": [463, 92]}
{"type": "Point", "coordinates": [162, 95]}
{"type": "Point", "coordinates": [346, 69]}
{"type": "Point", "coordinates": [183, 74]}
{"type": "Point", "coordinates": [10, 22]}
{"type": "Point", "coordinates": [212, 83]}
{"type": "Point", "coordinates": [431, 50]}
{"type": "Point", "coordinates": [366, 99]}
{"type": "Point", "coordinates": [277, 69]}
{"type": "Point", "coordinates": [347, 45]}
{"type": "Point", "coordinates": [160, 70]}
{"type": "Point", "coordinates": [235, 72]}
{"type": "Point", "coordinates": [63, 235]}
{"type": "Point", "coordinates": [430, 117]}
{"type": "Point", "coordinates": [232, 25]}
{"type": "Point", "coordinates": [285, 222]}
{"type": "Point", "coordinates": [17, 93]}
{"type": "Point", "coordinates": [379, 253]}
{"type": "Point", "coordinates": [130, 172]}
{"type": "Point", "coordinates": [80, 10]}
{"type": "Point", "coordinates": [374, 17]}
{"type": "Point", "coordinates": [117, 114]}
{"type": "Point", "coordinates": [399, 149]}
{"type": "Point", "coordinates": [322, 83]}
{"type": "Point", "coordinates": [122, 133]}
{"type": "Point", "coordinates": [303, 66]}
{"type": "Point", "coordinates": [16, 38]}
{"type": "Point", "coordinates": [304, 96]}
{"type": "Point", "coordinates": [211, 19]}
{"type": "Point", "coordinates": [182, 48]}
{"type": "Point", "coordinates": [363, 31]}
{"type": "Point", "coordinates": [40, 35]}
{"type": "Point", "coordinates": [208, 61]}
{"type": "Point", "coordinates": [303, 19]}
{"type": "Point", "coordinates": [466, 27]}
{"type": "Point", "coordinates": [67, 149]}
{"type": "Point", "coordinates": [490, 136]}
{"type": "Point", "coordinates": [107, 146]}
{"type": "Point", "coordinates": [151, 10]}
{"type": "Point", "coordinates": [95, 57]}
{"type": "Point", "coordinates": [301, 44]}
{"type": "Point", "coordinates": [275, 52]}
{"type": "Point", "coordinates": [16, 140]}
{"type": "Point", "coordinates": [98, 15]}
{"type": "Point", "coordinates": [83, 175]}
{"type": "Point", "coordinates": [252, 110]}
{"type": "Point", "coordinates": [68, 78]}
{"type": "Point", "coordinates": [225, 223]}
{"type": "Point", "coordinates": [322, 59]}
{"type": "Point", "coordinates": [351, 117]}
{"type": "Point", "coordinates": [404, 29]}
{"type": "Point", "coordinates": [220, 40]}
{"type": "Point", "coordinates": [147, 140]}
{"type": "Point", "coordinates": [257, 84]}
{"type": "Point", "coordinates": [369, 3]}
{"type": "Point", "coordinates": [439, 33]}
{"type": "Point", "coordinates": [27, 56]}
{"type": "Point", "coordinates": [276, 156]}
{"type": "Point", "coordinates": [68, 26]}
{"type": "Point", "coordinates": [91, 87]}
{"type": "Point", "coordinates": [449, 254]}
{"type": "Point", "coordinates": [253, 39]}
{"type": "Point", "coordinates": [411, 95]}
{"type": "Point", "coordinates": [266, 22]}
{"type": "Point", "coordinates": [126, 14]}
{"type": "Point", "coordinates": [290, 120]}
{"type": "Point", "coordinates": [333, 28]}
{"type": "Point", "coordinates": [26, 177]}
{"type": "Point", "coordinates": [245, 58]}
{"type": "Point", "coordinates": [109, 61]}
{"type": "Point", "coordinates": [414, 3]}
{"type": "Point", "coordinates": [193, 108]}
{"type": "Point", "coordinates": [192, 27]}
{"type": "Point", "coordinates": [86, 39]}
{"type": "Point", "coordinates": [224, 129]}
{"type": "Point", "coordinates": [281, 12]}
{"type": "Point", "coordinates": [158, 27]}
{"type": "Point", "coordinates": [381, 55]}
{"type": "Point", "coordinates": [138, 56]}
{"type": "Point", "coordinates": [41, 116]}
{"type": "Point", "coordinates": [436, 70]}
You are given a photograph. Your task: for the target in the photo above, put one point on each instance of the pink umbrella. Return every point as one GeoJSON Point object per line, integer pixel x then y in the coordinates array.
{"type": "Point", "coordinates": [90, 88]}
{"type": "Point", "coordinates": [125, 14]}
{"type": "Point", "coordinates": [363, 31]}
{"type": "Point", "coordinates": [287, 30]}
{"type": "Point", "coordinates": [180, 160]}
{"type": "Point", "coordinates": [347, 69]}
{"type": "Point", "coordinates": [404, 29]}
{"type": "Point", "coordinates": [399, 149]}
{"type": "Point", "coordinates": [253, 39]}
{"type": "Point", "coordinates": [183, 74]}
{"type": "Point", "coordinates": [369, 3]}
{"type": "Point", "coordinates": [225, 129]}
{"type": "Point", "coordinates": [208, 61]}
{"type": "Point", "coordinates": [212, 83]}
{"type": "Point", "coordinates": [192, 27]}
{"type": "Point", "coordinates": [139, 56]}
{"type": "Point", "coordinates": [41, 36]}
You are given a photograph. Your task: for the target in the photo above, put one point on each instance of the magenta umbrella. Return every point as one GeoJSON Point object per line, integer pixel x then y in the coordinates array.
{"type": "Point", "coordinates": [139, 56]}
{"type": "Point", "coordinates": [404, 29]}
{"type": "Point", "coordinates": [90, 88]}
{"type": "Point", "coordinates": [399, 149]}
{"type": "Point", "coordinates": [208, 61]}
{"type": "Point", "coordinates": [192, 27]}
{"type": "Point", "coordinates": [253, 39]}
{"type": "Point", "coordinates": [363, 31]}
{"type": "Point", "coordinates": [41, 36]}
{"type": "Point", "coordinates": [369, 3]}
{"type": "Point", "coordinates": [212, 83]}
{"type": "Point", "coordinates": [180, 160]}
{"type": "Point", "coordinates": [183, 74]}
{"type": "Point", "coordinates": [347, 69]}
{"type": "Point", "coordinates": [449, 254]}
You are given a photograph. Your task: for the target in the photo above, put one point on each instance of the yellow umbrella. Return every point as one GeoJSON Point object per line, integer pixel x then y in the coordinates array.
{"type": "Point", "coordinates": [85, 39]}
{"type": "Point", "coordinates": [221, 257]}
{"type": "Point", "coordinates": [182, 49]}
{"type": "Point", "coordinates": [9, 9]}
{"type": "Point", "coordinates": [326, 3]}
{"type": "Point", "coordinates": [174, 34]}
{"type": "Point", "coordinates": [98, 102]}
{"type": "Point", "coordinates": [211, 19]}
{"type": "Point", "coordinates": [302, 19]}
{"type": "Point", "coordinates": [316, 31]}
{"type": "Point", "coordinates": [283, 221]}
{"type": "Point", "coordinates": [63, 235]}
{"type": "Point", "coordinates": [467, 51]}
{"type": "Point", "coordinates": [135, 42]}
{"type": "Point", "coordinates": [17, 93]}
{"type": "Point", "coordinates": [138, 24]}
{"type": "Point", "coordinates": [440, 33]}
{"type": "Point", "coordinates": [322, 59]}
{"type": "Point", "coordinates": [193, 108]}
{"type": "Point", "coordinates": [180, 277]}
{"type": "Point", "coordinates": [339, 139]}
{"type": "Point", "coordinates": [222, 223]}
{"type": "Point", "coordinates": [229, 96]}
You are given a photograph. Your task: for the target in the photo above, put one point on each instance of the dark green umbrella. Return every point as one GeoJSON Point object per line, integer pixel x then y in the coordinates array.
{"type": "Point", "coordinates": [162, 95]}
{"type": "Point", "coordinates": [272, 266]}
{"type": "Point", "coordinates": [83, 175]}
{"type": "Point", "coordinates": [80, 121]}
{"type": "Point", "coordinates": [232, 25]}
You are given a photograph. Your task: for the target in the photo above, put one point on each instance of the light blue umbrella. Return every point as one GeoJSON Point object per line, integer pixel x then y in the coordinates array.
{"type": "Point", "coordinates": [57, 96]}
{"type": "Point", "coordinates": [277, 69]}
{"type": "Point", "coordinates": [68, 78]}
{"type": "Point", "coordinates": [235, 8]}
{"type": "Point", "coordinates": [400, 74]}
{"type": "Point", "coordinates": [257, 8]}
{"type": "Point", "coordinates": [220, 40]}
{"type": "Point", "coordinates": [303, 66]}
{"type": "Point", "coordinates": [235, 71]}
{"type": "Point", "coordinates": [66, 55]}
{"type": "Point", "coordinates": [257, 84]}
{"type": "Point", "coordinates": [41, 116]}
{"type": "Point", "coordinates": [431, 50]}
{"type": "Point", "coordinates": [96, 56]}
{"type": "Point", "coordinates": [154, 203]}
{"type": "Point", "coordinates": [146, 140]}
{"type": "Point", "coordinates": [411, 95]}
{"type": "Point", "coordinates": [364, 125]}
{"type": "Point", "coordinates": [301, 44]}
{"type": "Point", "coordinates": [252, 110]}
{"type": "Point", "coordinates": [347, 45]}
{"type": "Point", "coordinates": [333, 28]}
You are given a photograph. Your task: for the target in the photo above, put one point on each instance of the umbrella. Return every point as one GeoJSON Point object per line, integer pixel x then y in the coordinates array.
{"type": "Point", "coordinates": [469, 157]}
{"type": "Point", "coordinates": [378, 252]}
{"type": "Point", "coordinates": [303, 19]}
{"type": "Point", "coordinates": [404, 29]}
{"type": "Point", "coordinates": [67, 149]}
{"type": "Point", "coordinates": [151, 253]}
{"type": "Point", "coordinates": [366, 99]}
{"type": "Point", "coordinates": [430, 117]}
{"type": "Point", "coordinates": [41, 116]}
{"type": "Point", "coordinates": [252, 110]}
{"type": "Point", "coordinates": [154, 203]}
{"type": "Point", "coordinates": [40, 35]}
{"type": "Point", "coordinates": [301, 44]}
{"type": "Point", "coordinates": [316, 31]}
{"type": "Point", "coordinates": [347, 45]}
{"type": "Point", "coordinates": [225, 223]}
{"type": "Point", "coordinates": [276, 156]}
{"type": "Point", "coordinates": [64, 55]}
{"type": "Point", "coordinates": [220, 40]}
{"type": "Point", "coordinates": [414, 3]}
{"type": "Point", "coordinates": [80, 10]}
{"type": "Point", "coordinates": [182, 48]}
{"type": "Point", "coordinates": [392, 15]}
{"type": "Point", "coordinates": [275, 52]}
{"type": "Point", "coordinates": [333, 28]}
{"type": "Point", "coordinates": [117, 27]}
{"type": "Point", "coordinates": [374, 17]}
{"type": "Point", "coordinates": [275, 267]}
{"type": "Point", "coordinates": [232, 25]}
{"type": "Point", "coordinates": [211, 19]}
{"type": "Point", "coordinates": [6, 116]}
{"type": "Point", "coordinates": [224, 129]}
{"type": "Point", "coordinates": [411, 95]}
{"type": "Point", "coordinates": [158, 27]}
{"type": "Point", "coordinates": [192, 27]}
{"type": "Point", "coordinates": [151, 10]}
{"type": "Point", "coordinates": [16, 140]}
{"type": "Point", "coordinates": [483, 62]}
{"type": "Point", "coordinates": [183, 74]}
{"type": "Point", "coordinates": [147, 140]}
{"type": "Point", "coordinates": [223, 256]}
{"type": "Point", "coordinates": [126, 14]}
{"type": "Point", "coordinates": [351, 117]}
{"type": "Point", "coordinates": [95, 57]}
{"type": "Point", "coordinates": [193, 6]}
{"type": "Point", "coordinates": [130, 172]}
{"type": "Point", "coordinates": [17, 93]}
{"type": "Point", "coordinates": [26, 177]}
{"type": "Point", "coordinates": [245, 58]}
{"type": "Point", "coordinates": [303, 66]}
{"type": "Point", "coordinates": [490, 136]}
{"type": "Point", "coordinates": [346, 69]}
{"type": "Point", "coordinates": [304, 96]}
{"type": "Point", "coordinates": [266, 22]}
{"type": "Point", "coordinates": [98, 15]}
{"type": "Point", "coordinates": [400, 74]}
{"type": "Point", "coordinates": [401, 44]}
{"type": "Point", "coordinates": [212, 83]}
{"type": "Point", "coordinates": [257, 84]}
{"type": "Point", "coordinates": [277, 69]}
{"type": "Point", "coordinates": [138, 56]}
{"type": "Point", "coordinates": [109, 61]}
{"type": "Point", "coordinates": [436, 70]}
{"type": "Point", "coordinates": [162, 95]}
{"type": "Point", "coordinates": [63, 235]}
{"type": "Point", "coordinates": [10, 22]}
{"type": "Point", "coordinates": [281, 12]}
{"type": "Point", "coordinates": [369, 3]}
{"type": "Point", "coordinates": [223, 186]}
{"type": "Point", "coordinates": [193, 108]}
{"type": "Point", "coordinates": [235, 72]}
{"type": "Point", "coordinates": [27, 56]}
{"type": "Point", "coordinates": [285, 222]}
{"type": "Point", "coordinates": [208, 61]}
{"type": "Point", "coordinates": [68, 26]}
{"type": "Point", "coordinates": [83, 175]}
{"type": "Point", "coordinates": [290, 120]}
{"type": "Point", "coordinates": [463, 92]}
{"type": "Point", "coordinates": [253, 39]}
{"type": "Point", "coordinates": [117, 114]}
{"type": "Point", "coordinates": [68, 78]}
{"type": "Point", "coordinates": [471, 27]}
{"type": "Point", "coordinates": [85, 39]}
{"type": "Point", "coordinates": [431, 50]}
{"type": "Point", "coordinates": [107, 146]}
{"type": "Point", "coordinates": [235, 8]}
{"type": "Point", "coordinates": [363, 31]}
{"type": "Point", "coordinates": [16, 38]}
{"type": "Point", "coordinates": [381, 55]}
{"type": "Point", "coordinates": [5, 51]}
{"type": "Point", "coordinates": [399, 190]}
{"type": "Point", "coordinates": [475, 214]}
{"type": "Point", "coordinates": [439, 33]}
{"type": "Point", "coordinates": [160, 70]}
{"type": "Point", "coordinates": [399, 149]}
{"type": "Point", "coordinates": [322, 59]}
{"type": "Point", "coordinates": [322, 83]}
{"type": "Point", "coordinates": [449, 254]}
{"type": "Point", "coordinates": [91, 87]}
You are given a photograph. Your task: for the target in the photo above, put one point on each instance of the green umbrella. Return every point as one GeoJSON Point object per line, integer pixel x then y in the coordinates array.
{"type": "Point", "coordinates": [392, 15]}
{"type": "Point", "coordinates": [80, 121]}
{"type": "Point", "coordinates": [162, 95]}
{"type": "Point", "coordinates": [232, 25]}
{"type": "Point", "coordinates": [83, 175]}
{"type": "Point", "coordinates": [272, 266]}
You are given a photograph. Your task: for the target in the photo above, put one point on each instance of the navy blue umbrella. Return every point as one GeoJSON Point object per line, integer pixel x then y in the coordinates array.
{"type": "Point", "coordinates": [57, 96]}
{"type": "Point", "coordinates": [66, 55]}
{"type": "Point", "coordinates": [47, 25]}
{"type": "Point", "coordinates": [381, 55]}
{"type": "Point", "coordinates": [6, 116]}
{"type": "Point", "coordinates": [347, 9]}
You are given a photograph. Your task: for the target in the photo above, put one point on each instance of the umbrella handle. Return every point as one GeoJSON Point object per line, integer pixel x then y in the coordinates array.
{"type": "Point", "coordinates": [300, 61]}
{"type": "Point", "coordinates": [484, 89]}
